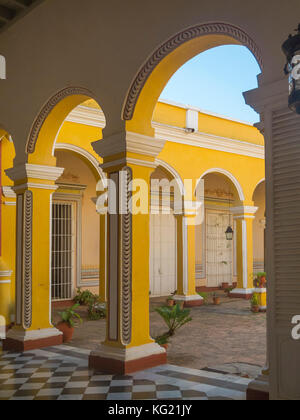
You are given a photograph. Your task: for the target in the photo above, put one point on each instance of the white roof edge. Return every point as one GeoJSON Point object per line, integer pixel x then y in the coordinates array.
{"type": "Point", "coordinates": [203, 111]}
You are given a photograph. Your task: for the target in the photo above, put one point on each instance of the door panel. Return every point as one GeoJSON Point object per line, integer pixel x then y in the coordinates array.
{"type": "Point", "coordinates": [219, 251]}
{"type": "Point", "coordinates": [163, 279]}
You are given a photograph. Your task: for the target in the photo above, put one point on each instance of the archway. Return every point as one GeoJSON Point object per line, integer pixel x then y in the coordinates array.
{"type": "Point", "coordinates": [216, 265]}
{"type": "Point", "coordinates": [146, 88]}
{"type": "Point", "coordinates": [35, 183]}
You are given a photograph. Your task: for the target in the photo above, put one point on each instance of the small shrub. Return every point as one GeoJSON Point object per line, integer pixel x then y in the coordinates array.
{"type": "Point", "coordinates": [162, 340]}
{"type": "Point", "coordinates": [69, 316]}
{"type": "Point", "coordinates": [83, 297]}
{"type": "Point", "coordinates": [204, 297]}
{"type": "Point", "coordinates": [96, 309]}
{"type": "Point", "coordinates": [254, 300]}
{"type": "Point", "coordinates": [174, 317]}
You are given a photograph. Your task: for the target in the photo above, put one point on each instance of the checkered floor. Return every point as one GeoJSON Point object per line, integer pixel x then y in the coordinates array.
{"type": "Point", "coordinates": [61, 373]}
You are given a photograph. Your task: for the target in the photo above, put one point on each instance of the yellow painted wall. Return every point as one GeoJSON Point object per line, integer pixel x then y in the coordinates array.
{"type": "Point", "coordinates": [77, 172]}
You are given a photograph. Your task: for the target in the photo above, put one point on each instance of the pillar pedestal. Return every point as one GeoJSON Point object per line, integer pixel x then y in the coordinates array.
{"type": "Point", "coordinates": [258, 390]}
{"type": "Point", "coordinates": [19, 340]}
{"type": "Point", "coordinates": [123, 361]}
{"type": "Point", "coordinates": [190, 301]}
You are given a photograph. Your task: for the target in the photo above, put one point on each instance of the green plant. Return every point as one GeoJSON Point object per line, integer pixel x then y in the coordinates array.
{"type": "Point", "coordinates": [174, 317]}
{"type": "Point", "coordinates": [69, 316]}
{"type": "Point", "coordinates": [83, 297]}
{"type": "Point", "coordinates": [96, 309]}
{"type": "Point", "coordinates": [254, 300]}
{"type": "Point", "coordinates": [170, 298]}
{"type": "Point", "coordinates": [260, 275]}
{"type": "Point", "coordinates": [204, 297]}
{"type": "Point", "coordinates": [162, 340]}
{"type": "Point", "coordinates": [229, 290]}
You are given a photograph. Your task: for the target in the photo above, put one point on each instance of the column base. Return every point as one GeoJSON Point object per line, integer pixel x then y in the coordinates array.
{"type": "Point", "coordinates": [21, 341]}
{"type": "Point", "coordinates": [190, 301]}
{"type": "Point", "coordinates": [258, 390]}
{"type": "Point", "coordinates": [242, 293]}
{"type": "Point", "coordinates": [125, 361]}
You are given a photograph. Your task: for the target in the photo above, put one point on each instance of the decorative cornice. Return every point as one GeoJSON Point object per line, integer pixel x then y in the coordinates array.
{"type": "Point", "coordinates": [47, 108]}
{"type": "Point", "coordinates": [21, 172]}
{"type": "Point", "coordinates": [208, 141]}
{"type": "Point", "coordinates": [217, 28]}
{"type": "Point", "coordinates": [129, 142]}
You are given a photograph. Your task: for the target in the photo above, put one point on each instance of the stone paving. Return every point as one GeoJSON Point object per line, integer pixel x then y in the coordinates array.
{"type": "Point", "coordinates": [227, 338]}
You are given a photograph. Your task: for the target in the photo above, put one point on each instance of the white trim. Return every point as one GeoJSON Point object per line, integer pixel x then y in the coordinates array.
{"type": "Point", "coordinates": [8, 192]}
{"type": "Point", "coordinates": [9, 203]}
{"type": "Point", "coordinates": [75, 149]}
{"type": "Point", "coordinates": [185, 254]}
{"type": "Point", "coordinates": [245, 254]}
{"type": "Point", "coordinates": [242, 292]}
{"type": "Point", "coordinates": [202, 111]}
{"type": "Point", "coordinates": [128, 354]}
{"type": "Point", "coordinates": [24, 171]}
{"type": "Point", "coordinates": [208, 141]}
{"type": "Point", "coordinates": [228, 175]}
{"type": "Point", "coordinates": [173, 172]}
{"type": "Point", "coordinates": [24, 336]}
{"type": "Point", "coordinates": [93, 117]}
{"type": "Point", "coordinates": [35, 185]}
{"type": "Point", "coordinates": [260, 291]}
{"type": "Point", "coordinates": [6, 273]}
{"type": "Point", "coordinates": [191, 298]}
{"type": "Point", "coordinates": [244, 210]}
{"type": "Point", "coordinates": [5, 281]}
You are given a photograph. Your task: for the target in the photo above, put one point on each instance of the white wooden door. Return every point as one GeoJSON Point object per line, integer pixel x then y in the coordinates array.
{"type": "Point", "coordinates": [163, 270]}
{"type": "Point", "coordinates": [219, 251]}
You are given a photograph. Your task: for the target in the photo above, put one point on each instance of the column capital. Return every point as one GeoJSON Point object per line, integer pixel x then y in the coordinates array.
{"type": "Point", "coordinates": [29, 176]}
{"type": "Point", "coordinates": [129, 148]}
{"type": "Point", "coordinates": [244, 212]}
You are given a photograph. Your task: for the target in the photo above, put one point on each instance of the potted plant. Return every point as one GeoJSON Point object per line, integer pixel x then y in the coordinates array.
{"type": "Point", "coordinates": [262, 280]}
{"type": "Point", "coordinates": [163, 341]}
{"type": "Point", "coordinates": [66, 326]}
{"type": "Point", "coordinates": [83, 297]}
{"type": "Point", "coordinates": [216, 299]}
{"type": "Point", "coordinates": [234, 285]}
{"type": "Point", "coordinates": [174, 317]}
{"type": "Point", "coordinates": [228, 291]}
{"type": "Point", "coordinates": [255, 303]}
{"type": "Point", "coordinates": [204, 297]}
{"type": "Point", "coordinates": [170, 301]}
{"type": "Point", "coordinates": [180, 303]}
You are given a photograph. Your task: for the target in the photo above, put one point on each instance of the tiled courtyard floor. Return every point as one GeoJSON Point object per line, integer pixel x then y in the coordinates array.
{"type": "Point", "coordinates": [212, 358]}
{"type": "Point", "coordinates": [217, 336]}
{"type": "Point", "coordinates": [61, 373]}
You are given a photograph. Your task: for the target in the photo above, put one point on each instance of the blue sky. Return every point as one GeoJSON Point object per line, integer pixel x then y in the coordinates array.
{"type": "Point", "coordinates": [215, 81]}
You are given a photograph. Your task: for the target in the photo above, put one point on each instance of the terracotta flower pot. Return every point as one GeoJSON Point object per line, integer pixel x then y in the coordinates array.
{"type": "Point", "coordinates": [165, 346]}
{"type": "Point", "coordinates": [170, 302]}
{"type": "Point", "coordinates": [255, 309]}
{"type": "Point", "coordinates": [217, 301]}
{"type": "Point", "coordinates": [225, 286]}
{"type": "Point", "coordinates": [234, 285]}
{"type": "Point", "coordinates": [181, 304]}
{"type": "Point", "coordinates": [263, 282]}
{"type": "Point", "coordinates": [66, 330]}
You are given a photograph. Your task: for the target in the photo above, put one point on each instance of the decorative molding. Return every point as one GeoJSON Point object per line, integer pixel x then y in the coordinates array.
{"type": "Point", "coordinates": [129, 142]}
{"type": "Point", "coordinates": [217, 28]}
{"type": "Point", "coordinates": [126, 258]}
{"type": "Point", "coordinates": [27, 260]}
{"type": "Point", "coordinates": [6, 273]}
{"type": "Point", "coordinates": [130, 161]}
{"type": "Point", "coordinates": [35, 185]}
{"type": "Point", "coordinates": [84, 153]}
{"type": "Point", "coordinates": [86, 115]}
{"type": "Point", "coordinates": [5, 281]}
{"type": "Point", "coordinates": [44, 113]}
{"type": "Point", "coordinates": [208, 141]}
{"type": "Point", "coordinates": [244, 210]}
{"type": "Point", "coordinates": [25, 171]}
{"type": "Point", "coordinates": [190, 298]}
{"type": "Point", "coordinates": [242, 292]}
{"type": "Point", "coordinates": [8, 192]}
{"type": "Point", "coordinates": [228, 175]}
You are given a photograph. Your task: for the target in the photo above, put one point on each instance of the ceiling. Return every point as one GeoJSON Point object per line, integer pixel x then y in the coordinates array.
{"type": "Point", "coordinates": [13, 9]}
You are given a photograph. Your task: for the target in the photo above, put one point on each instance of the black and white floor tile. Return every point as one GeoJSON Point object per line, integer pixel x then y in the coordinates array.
{"type": "Point", "coordinates": [61, 373]}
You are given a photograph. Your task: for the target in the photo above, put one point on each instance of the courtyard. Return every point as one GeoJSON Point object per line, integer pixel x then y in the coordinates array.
{"type": "Point", "coordinates": [227, 338]}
